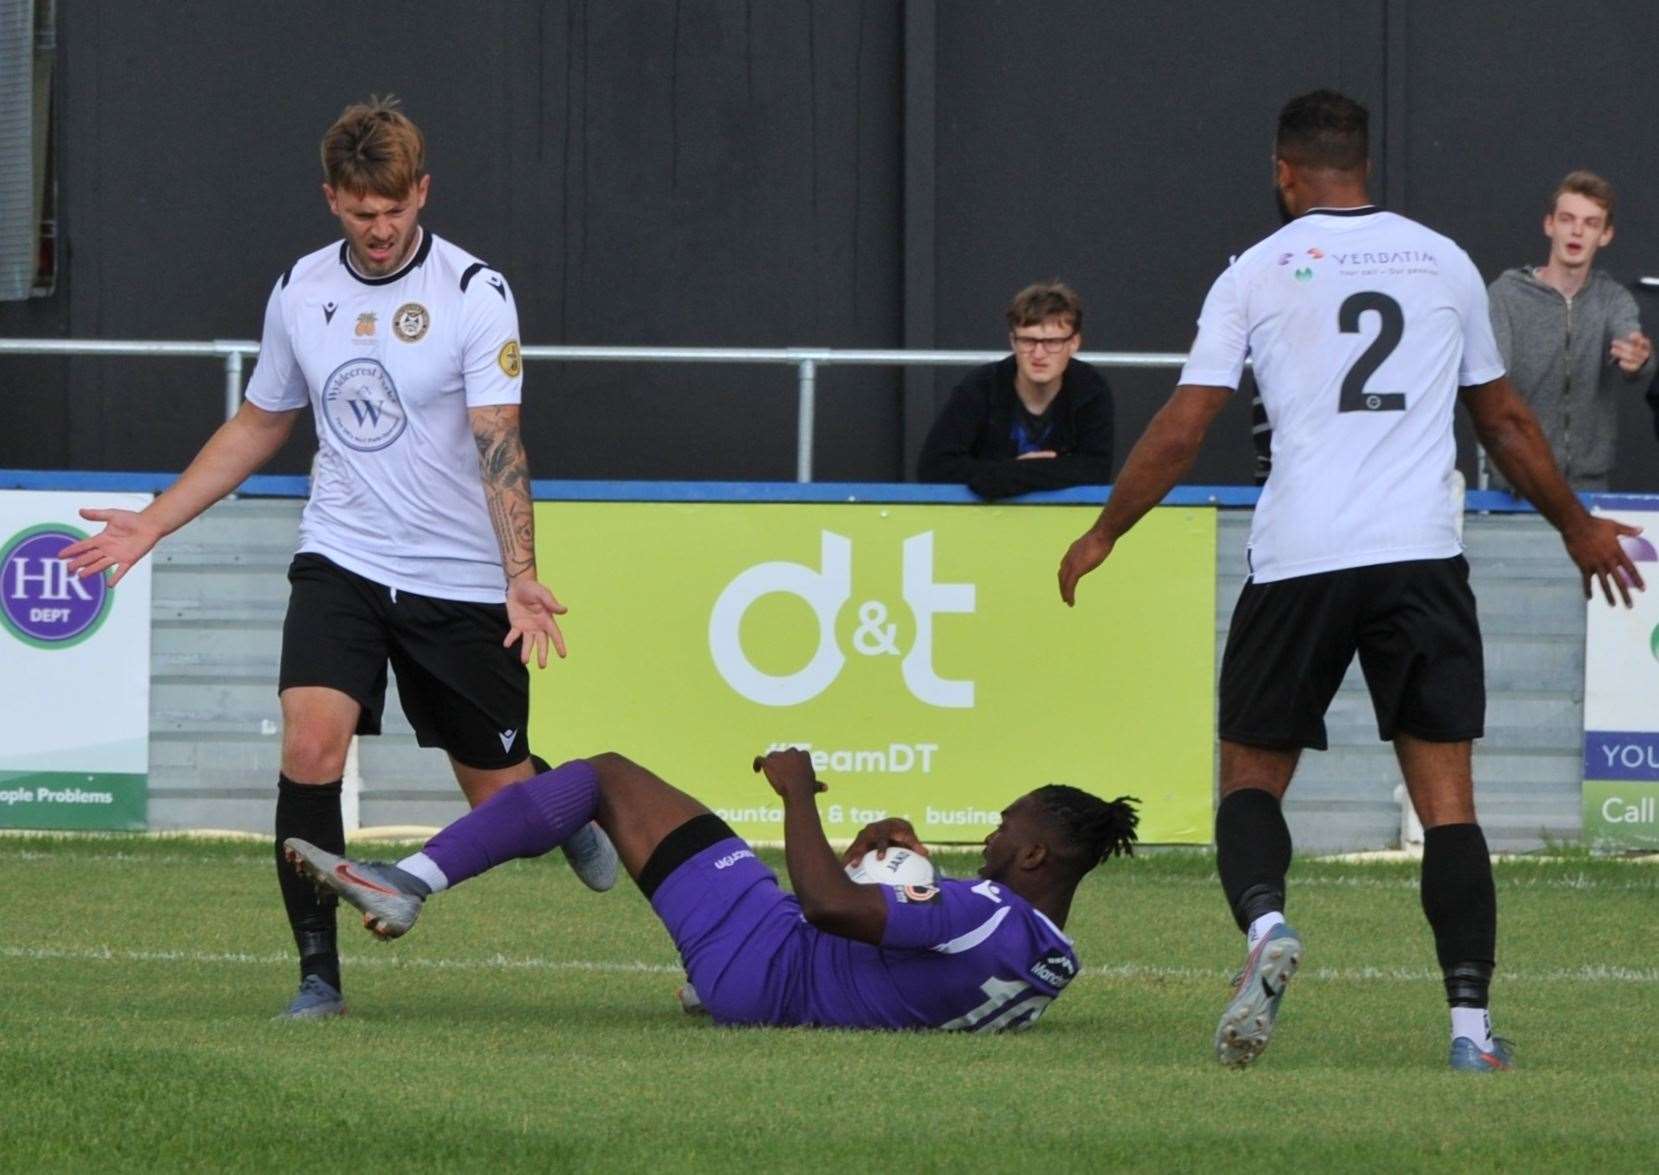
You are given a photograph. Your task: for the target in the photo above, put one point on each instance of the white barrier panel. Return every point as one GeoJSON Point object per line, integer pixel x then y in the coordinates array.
{"type": "Point", "coordinates": [1621, 706]}
{"type": "Point", "coordinates": [74, 673]}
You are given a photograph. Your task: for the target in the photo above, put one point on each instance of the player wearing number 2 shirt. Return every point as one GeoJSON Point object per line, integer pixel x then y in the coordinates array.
{"type": "Point", "coordinates": [1365, 330]}
{"type": "Point", "coordinates": [983, 955]}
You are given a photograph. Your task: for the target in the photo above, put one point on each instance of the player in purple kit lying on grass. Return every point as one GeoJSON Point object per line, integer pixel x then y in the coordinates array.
{"type": "Point", "coordinates": [980, 955]}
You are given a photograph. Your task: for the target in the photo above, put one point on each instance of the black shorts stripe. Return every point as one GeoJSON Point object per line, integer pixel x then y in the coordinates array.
{"type": "Point", "coordinates": [679, 846]}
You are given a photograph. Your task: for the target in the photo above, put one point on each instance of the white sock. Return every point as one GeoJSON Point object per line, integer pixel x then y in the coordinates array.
{"type": "Point", "coordinates": [426, 869]}
{"type": "Point", "coordinates": [1476, 1024]}
{"type": "Point", "coordinates": [1262, 925]}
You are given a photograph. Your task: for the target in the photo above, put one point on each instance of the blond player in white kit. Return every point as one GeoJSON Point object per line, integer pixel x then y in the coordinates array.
{"type": "Point", "coordinates": [417, 546]}
{"type": "Point", "coordinates": [1365, 330]}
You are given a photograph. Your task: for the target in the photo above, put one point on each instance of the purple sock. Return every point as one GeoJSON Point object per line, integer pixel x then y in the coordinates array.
{"type": "Point", "coordinates": [524, 819]}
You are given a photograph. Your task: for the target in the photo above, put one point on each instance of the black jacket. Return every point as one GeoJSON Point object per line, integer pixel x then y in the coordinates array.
{"type": "Point", "coordinates": [1653, 402]}
{"type": "Point", "coordinates": [974, 441]}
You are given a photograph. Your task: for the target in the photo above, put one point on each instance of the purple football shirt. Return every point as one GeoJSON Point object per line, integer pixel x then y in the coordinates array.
{"type": "Point", "coordinates": [966, 955]}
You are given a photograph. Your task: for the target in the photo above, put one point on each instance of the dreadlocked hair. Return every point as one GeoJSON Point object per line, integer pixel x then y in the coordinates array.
{"type": "Point", "coordinates": [1096, 829]}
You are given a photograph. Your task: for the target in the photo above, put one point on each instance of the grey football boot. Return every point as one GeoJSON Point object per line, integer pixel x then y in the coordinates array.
{"type": "Point", "coordinates": [1469, 1057]}
{"type": "Point", "coordinates": [1247, 1024]}
{"type": "Point", "coordinates": [316, 1000]}
{"type": "Point", "coordinates": [593, 857]}
{"type": "Point", "coordinates": [389, 898]}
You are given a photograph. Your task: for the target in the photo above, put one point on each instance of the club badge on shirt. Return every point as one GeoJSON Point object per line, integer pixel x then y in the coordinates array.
{"type": "Point", "coordinates": [509, 359]}
{"type": "Point", "coordinates": [410, 322]}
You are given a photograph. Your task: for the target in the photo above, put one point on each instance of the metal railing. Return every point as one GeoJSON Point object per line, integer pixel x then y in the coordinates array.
{"type": "Point", "coordinates": [805, 360]}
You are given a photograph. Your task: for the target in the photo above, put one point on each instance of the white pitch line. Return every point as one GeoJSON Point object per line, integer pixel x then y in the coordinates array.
{"type": "Point", "coordinates": [1506, 878]}
{"type": "Point", "coordinates": [1589, 973]}
{"type": "Point", "coordinates": [490, 963]}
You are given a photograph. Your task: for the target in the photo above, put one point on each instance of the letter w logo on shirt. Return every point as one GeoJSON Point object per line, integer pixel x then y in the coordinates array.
{"type": "Point", "coordinates": [365, 410]}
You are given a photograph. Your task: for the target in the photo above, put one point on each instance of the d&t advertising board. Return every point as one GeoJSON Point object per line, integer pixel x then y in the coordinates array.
{"type": "Point", "coordinates": [919, 652]}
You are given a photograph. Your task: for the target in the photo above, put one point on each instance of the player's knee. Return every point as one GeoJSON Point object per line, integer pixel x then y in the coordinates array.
{"type": "Point", "coordinates": [609, 764]}
{"type": "Point", "coordinates": [312, 756]}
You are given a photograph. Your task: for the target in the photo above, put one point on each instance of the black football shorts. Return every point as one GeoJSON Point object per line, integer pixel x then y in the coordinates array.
{"type": "Point", "coordinates": [1413, 625]}
{"type": "Point", "coordinates": [461, 690]}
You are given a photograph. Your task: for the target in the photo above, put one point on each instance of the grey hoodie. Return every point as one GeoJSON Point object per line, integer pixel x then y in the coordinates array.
{"type": "Point", "coordinates": [1557, 354]}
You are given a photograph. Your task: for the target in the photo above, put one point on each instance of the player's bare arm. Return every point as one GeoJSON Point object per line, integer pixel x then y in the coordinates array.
{"type": "Point", "coordinates": [1517, 446]}
{"type": "Point", "coordinates": [531, 608]}
{"type": "Point", "coordinates": [893, 833]}
{"type": "Point", "coordinates": [1158, 461]}
{"type": "Point", "coordinates": [830, 900]}
{"type": "Point", "coordinates": [236, 449]}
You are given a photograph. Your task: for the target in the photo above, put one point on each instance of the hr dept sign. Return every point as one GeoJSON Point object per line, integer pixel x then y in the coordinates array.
{"type": "Point", "coordinates": [919, 653]}
{"type": "Point", "coordinates": [75, 673]}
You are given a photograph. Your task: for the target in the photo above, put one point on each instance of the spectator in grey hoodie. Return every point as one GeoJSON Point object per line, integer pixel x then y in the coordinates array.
{"type": "Point", "coordinates": [1570, 334]}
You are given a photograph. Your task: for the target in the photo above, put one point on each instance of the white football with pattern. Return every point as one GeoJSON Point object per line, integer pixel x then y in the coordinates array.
{"type": "Point", "coordinates": [898, 867]}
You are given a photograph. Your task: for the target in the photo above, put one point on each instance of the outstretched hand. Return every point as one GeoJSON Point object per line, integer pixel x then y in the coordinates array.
{"type": "Point", "coordinates": [1082, 557]}
{"type": "Point", "coordinates": [126, 538]}
{"type": "Point", "coordinates": [531, 612]}
{"type": "Point", "coordinates": [894, 832]}
{"type": "Point", "coordinates": [790, 772]}
{"type": "Point", "coordinates": [1596, 548]}
{"type": "Point", "coordinates": [1631, 351]}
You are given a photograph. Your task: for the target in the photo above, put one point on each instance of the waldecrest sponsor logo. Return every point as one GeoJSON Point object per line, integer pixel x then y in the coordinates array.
{"type": "Point", "coordinates": [361, 405]}
{"type": "Point", "coordinates": [42, 602]}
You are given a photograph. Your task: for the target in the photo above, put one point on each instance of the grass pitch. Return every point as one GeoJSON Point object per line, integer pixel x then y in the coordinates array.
{"type": "Point", "coordinates": [527, 1023]}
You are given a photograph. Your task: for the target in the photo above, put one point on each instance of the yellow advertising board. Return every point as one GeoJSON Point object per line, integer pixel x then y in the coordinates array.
{"type": "Point", "coordinates": [920, 652]}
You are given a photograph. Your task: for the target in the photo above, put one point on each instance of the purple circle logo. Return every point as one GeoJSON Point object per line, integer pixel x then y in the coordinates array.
{"type": "Point", "coordinates": [41, 602]}
{"type": "Point", "coordinates": [1638, 548]}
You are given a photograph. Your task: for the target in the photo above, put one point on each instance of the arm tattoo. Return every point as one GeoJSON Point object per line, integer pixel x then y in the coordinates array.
{"type": "Point", "coordinates": [506, 473]}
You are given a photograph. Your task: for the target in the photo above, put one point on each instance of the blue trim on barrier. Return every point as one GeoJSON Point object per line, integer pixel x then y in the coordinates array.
{"type": "Point", "coordinates": [258, 486]}
{"type": "Point", "coordinates": [1625, 501]}
{"type": "Point", "coordinates": [1225, 497]}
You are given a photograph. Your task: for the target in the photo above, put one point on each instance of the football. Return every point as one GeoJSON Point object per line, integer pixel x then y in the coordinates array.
{"type": "Point", "coordinates": [898, 867]}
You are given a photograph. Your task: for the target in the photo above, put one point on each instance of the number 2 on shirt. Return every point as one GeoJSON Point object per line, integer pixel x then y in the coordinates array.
{"type": "Point", "coordinates": [1354, 397]}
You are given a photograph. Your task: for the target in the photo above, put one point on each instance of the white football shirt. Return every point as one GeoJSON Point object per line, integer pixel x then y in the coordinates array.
{"type": "Point", "coordinates": [1361, 326]}
{"type": "Point", "coordinates": [390, 367]}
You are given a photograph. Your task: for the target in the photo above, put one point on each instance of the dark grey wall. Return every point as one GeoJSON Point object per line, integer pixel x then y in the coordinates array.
{"type": "Point", "coordinates": [771, 173]}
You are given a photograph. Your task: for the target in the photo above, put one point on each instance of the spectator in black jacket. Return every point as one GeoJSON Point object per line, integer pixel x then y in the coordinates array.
{"type": "Point", "coordinates": [1037, 420]}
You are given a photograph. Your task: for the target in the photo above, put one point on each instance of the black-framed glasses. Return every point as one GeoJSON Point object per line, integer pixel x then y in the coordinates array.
{"type": "Point", "coordinates": [1029, 343]}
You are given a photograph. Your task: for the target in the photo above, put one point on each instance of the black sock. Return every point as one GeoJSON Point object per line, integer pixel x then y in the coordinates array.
{"type": "Point", "coordinates": [1252, 853]}
{"type": "Point", "coordinates": [1462, 907]}
{"type": "Point", "coordinates": [310, 812]}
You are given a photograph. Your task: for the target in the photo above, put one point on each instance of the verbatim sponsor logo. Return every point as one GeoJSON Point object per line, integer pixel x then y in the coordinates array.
{"type": "Point", "coordinates": [731, 859]}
